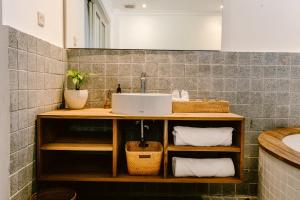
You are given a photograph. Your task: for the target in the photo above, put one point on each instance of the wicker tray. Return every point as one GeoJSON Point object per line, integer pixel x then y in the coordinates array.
{"type": "Point", "coordinates": [201, 106]}
{"type": "Point", "coordinates": [143, 161]}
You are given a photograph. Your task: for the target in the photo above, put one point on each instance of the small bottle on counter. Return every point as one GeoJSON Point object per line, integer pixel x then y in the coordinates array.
{"type": "Point", "coordinates": [108, 98]}
{"type": "Point", "coordinates": [119, 90]}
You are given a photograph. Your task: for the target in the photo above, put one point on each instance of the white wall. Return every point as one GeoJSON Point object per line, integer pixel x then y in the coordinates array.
{"type": "Point", "coordinates": [248, 25]}
{"type": "Point", "coordinates": [4, 112]}
{"type": "Point", "coordinates": [22, 15]}
{"type": "Point", "coordinates": [261, 25]}
{"type": "Point", "coordinates": [167, 31]}
{"type": "Point", "coordinates": [76, 24]}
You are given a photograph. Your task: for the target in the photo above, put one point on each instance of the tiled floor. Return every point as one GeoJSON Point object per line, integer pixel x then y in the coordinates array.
{"type": "Point", "coordinates": [174, 198]}
{"type": "Point", "coordinates": [155, 198]}
{"type": "Point", "coordinates": [229, 198]}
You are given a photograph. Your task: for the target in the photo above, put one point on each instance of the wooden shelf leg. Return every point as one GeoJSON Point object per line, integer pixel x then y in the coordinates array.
{"type": "Point", "coordinates": [165, 156]}
{"type": "Point", "coordinates": [242, 142]}
{"type": "Point", "coordinates": [39, 144]}
{"type": "Point", "coordinates": [115, 148]}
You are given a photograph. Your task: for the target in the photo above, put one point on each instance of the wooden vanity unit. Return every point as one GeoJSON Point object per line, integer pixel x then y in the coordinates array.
{"type": "Point", "coordinates": [88, 145]}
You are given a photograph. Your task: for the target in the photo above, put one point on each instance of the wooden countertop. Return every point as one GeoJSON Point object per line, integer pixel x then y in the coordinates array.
{"type": "Point", "coordinates": [100, 113]}
{"type": "Point", "coordinates": [271, 141]}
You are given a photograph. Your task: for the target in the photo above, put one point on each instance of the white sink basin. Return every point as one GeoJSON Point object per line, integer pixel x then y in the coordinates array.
{"type": "Point", "coordinates": [142, 104]}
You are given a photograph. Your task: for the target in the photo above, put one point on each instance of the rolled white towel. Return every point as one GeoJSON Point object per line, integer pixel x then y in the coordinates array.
{"type": "Point", "coordinates": [192, 167]}
{"type": "Point", "coordinates": [193, 136]}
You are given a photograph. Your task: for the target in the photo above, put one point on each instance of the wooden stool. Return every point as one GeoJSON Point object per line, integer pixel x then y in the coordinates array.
{"type": "Point", "coordinates": [55, 194]}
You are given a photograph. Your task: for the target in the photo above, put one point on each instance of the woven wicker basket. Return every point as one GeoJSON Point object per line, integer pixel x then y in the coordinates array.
{"type": "Point", "coordinates": [143, 161]}
{"type": "Point", "coordinates": [55, 194]}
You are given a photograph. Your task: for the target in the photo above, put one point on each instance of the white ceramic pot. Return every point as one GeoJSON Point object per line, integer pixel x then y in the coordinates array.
{"type": "Point", "coordinates": [76, 99]}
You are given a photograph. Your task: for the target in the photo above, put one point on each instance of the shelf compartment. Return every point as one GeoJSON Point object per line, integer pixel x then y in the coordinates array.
{"type": "Point", "coordinates": [216, 148]}
{"type": "Point", "coordinates": [64, 165]}
{"type": "Point", "coordinates": [129, 130]}
{"type": "Point", "coordinates": [76, 147]}
{"type": "Point", "coordinates": [76, 131]}
{"type": "Point", "coordinates": [202, 155]}
{"type": "Point", "coordinates": [236, 125]}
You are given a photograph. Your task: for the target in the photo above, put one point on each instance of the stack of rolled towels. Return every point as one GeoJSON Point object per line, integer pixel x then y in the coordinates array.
{"type": "Point", "coordinates": [208, 167]}
{"type": "Point", "coordinates": [202, 136]}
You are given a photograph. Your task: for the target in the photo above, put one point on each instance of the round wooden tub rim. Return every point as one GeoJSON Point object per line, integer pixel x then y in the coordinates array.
{"type": "Point", "coordinates": [271, 141]}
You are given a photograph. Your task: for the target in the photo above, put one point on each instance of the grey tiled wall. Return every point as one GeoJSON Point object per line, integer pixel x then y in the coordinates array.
{"type": "Point", "coordinates": [263, 87]}
{"type": "Point", "coordinates": [36, 77]}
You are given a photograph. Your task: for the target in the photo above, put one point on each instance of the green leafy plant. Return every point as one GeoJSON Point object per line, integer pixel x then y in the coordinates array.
{"type": "Point", "coordinates": [78, 78]}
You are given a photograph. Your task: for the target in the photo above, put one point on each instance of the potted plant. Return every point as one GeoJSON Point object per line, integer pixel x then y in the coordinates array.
{"type": "Point", "coordinates": [76, 98]}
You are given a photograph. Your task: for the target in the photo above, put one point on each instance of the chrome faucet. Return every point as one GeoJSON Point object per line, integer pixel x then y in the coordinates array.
{"type": "Point", "coordinates": [143, 82]}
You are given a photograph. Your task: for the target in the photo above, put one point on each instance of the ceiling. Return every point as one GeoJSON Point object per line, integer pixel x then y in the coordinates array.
{"type": "Point", "coordinates": [199, 6]}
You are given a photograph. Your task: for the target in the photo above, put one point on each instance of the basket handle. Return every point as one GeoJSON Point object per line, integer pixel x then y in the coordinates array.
{"type": "Point", "coordinates": [144, 156]}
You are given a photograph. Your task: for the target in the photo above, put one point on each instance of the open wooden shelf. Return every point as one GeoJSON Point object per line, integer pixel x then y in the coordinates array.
{"type": "Point", "coordinates": [86, 177]}
{"type": "Point", "coordinates": [77, 143]}
{"type": "Point", "coordinates": [94, 177]}
{"type": "Point", "coordinates": [89, 177]}
{"type": "Point", "coordinates": [173, 179]}
{"type": "Point", "coordinates": [84, 140]}
{"type": "Point", "coordinates": [76, 147]}
{"type": "Point", "coordinates": [88, 145]}
{"type": "Point", "coordinates": [217, 148]}
{"type": "Point", "coordinates": [128, 178]}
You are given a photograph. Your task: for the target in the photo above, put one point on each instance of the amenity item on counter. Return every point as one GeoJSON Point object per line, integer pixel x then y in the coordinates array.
{"type": "Point", "coordinates": [185, 95]}
{"type": "Point", "coordinates": [208, 167]}
{"type": "Point", "coordinates": [119, 90]}
{"type": "Point", "coordinates": [143, 160]}
{"type": "Point", "coordinates": [175, 95]}
{"type": "Point", "coordinates": [180, 96]}
{"type": "Point", "coordinates": [194, 136]}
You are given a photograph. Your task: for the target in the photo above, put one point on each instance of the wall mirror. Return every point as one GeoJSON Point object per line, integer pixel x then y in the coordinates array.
{"type": "Point", "coordinates": [143, 24]}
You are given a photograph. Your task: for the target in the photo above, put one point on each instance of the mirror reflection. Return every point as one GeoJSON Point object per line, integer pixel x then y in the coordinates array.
{"type": "Point", "coordinates": [144, 24]}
